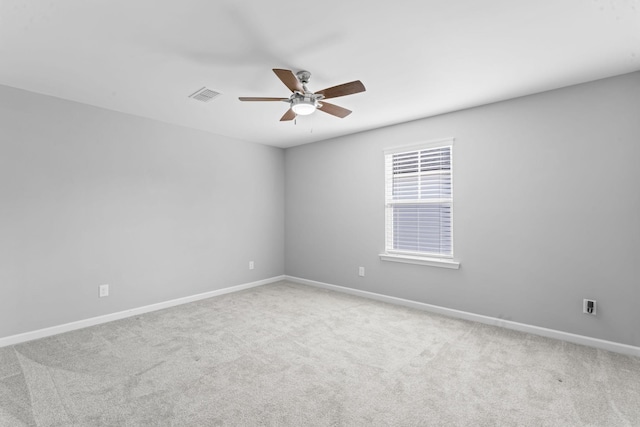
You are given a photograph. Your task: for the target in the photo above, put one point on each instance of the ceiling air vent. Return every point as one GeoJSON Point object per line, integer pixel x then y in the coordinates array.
{"type": "Point", "coordinates": [204, 94]}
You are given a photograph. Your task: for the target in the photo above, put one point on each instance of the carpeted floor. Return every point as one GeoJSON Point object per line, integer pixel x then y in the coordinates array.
{"type": "Point", "coordinates": [290, 355]}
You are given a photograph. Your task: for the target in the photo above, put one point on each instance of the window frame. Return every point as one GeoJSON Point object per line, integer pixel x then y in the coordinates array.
{"type": "Point", "coordinates": [411, 257]}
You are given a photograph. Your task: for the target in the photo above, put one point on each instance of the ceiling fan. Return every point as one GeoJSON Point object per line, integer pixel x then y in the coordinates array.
{"type": "Point", "coordinates": [303, 102]}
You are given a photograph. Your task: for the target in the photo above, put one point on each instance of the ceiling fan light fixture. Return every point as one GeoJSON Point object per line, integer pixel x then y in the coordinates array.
{"type": "Point", "coordinates": [303, 102]}
{"type": "Point", "coordinates": [303, 106]}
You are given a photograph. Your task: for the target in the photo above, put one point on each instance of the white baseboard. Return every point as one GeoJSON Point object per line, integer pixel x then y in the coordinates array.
{"type": "Point", "coordinates": [54, 330]}
{"type": "Point", "coordinates": [508, 324]}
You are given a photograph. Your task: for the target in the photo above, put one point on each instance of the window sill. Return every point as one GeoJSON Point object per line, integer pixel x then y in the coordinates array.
{"type": "Point", "coordinates": [433, 262]}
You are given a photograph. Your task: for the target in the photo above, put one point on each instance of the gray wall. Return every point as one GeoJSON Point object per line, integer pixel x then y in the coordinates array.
{"type": "Point", "coordinates": [90, 196]}
{"type": "Point", "coordinates": [547, 210]}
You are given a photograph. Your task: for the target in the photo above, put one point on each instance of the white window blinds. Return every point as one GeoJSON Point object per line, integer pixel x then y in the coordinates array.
{"type": "Point", "coordinates": [419, 196]}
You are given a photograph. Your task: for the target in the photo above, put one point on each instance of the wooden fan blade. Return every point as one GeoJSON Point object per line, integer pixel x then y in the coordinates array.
{"type": "Point", "coordinates": [342, 90]}
{"type": "Point", "coordinates": [289, 115]}
{"type": "Point", "coordinates": [289, 79]}
{"type": "Point", "coordinates": [253, 98]}
{"type": "Point", "coordinates": [334, 110]}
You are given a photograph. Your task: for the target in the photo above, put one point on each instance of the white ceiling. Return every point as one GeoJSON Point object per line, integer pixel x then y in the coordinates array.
{"type": "Point", "coordinates": [416, 58]}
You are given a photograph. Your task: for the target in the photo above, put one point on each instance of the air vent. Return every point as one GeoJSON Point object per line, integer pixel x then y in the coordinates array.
{"type": "Point", "coordinates": [204, 94]}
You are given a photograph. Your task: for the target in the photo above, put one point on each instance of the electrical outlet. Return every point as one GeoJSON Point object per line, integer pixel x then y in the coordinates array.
{"type": "Point", "coordinates": [361, 271]}
{"type": "Point", "coordinates": [589, 306]}
{"type": "Point", "coordinates": [103, 291]}
{"type": "Point", "coordinates": [251, 265]}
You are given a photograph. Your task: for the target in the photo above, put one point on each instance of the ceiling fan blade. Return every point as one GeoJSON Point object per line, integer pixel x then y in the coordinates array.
{"type": "Point", "coordinates": [334, 110]}
{"type": "Point", "coordinates": [342, 90]}
{"type": "Point", "coordinates": [289, 79]}
{"type": "Point", "coordinates": [253, 98]}
{"type": "Point", "coordinates": [289, 115]}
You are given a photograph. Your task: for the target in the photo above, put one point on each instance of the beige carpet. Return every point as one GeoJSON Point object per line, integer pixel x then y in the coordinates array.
{"type": "Point", "coordinates": [291, 355]}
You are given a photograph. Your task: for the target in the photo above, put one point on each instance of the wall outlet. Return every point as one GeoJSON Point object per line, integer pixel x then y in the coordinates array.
{"type": "Point", "coordinates": [361, 271]}
{"type": "Point", "coordinates": [589, 306]}
{"type": "Point", "coordinates": [251, 265]}
{"type": "Point", "coordinates": [103, 291]}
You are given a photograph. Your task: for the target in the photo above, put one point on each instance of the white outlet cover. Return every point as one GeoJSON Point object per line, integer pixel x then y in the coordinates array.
{"type": "Point", "coordinates": [103, 291]}
{"type": "Point", "coordinates": [361, 271]}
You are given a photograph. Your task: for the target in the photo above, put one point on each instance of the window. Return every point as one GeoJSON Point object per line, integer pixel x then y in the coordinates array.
{"type": "Point", "coordinates": [419, 204]}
